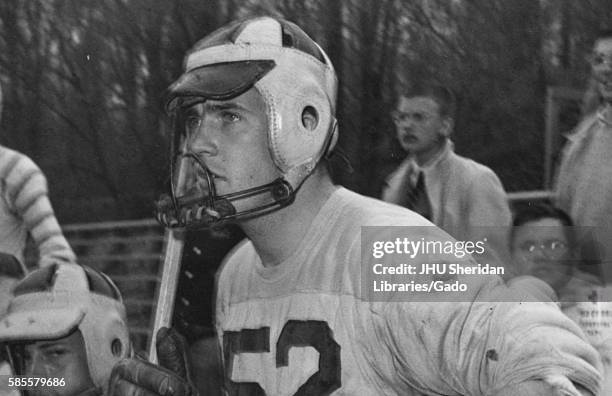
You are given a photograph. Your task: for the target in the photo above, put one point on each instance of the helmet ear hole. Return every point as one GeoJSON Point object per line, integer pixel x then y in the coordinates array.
{"type": "Point", "coordinates": [310, 118]}
{"type": "Point", "coordinates": [116, 347]}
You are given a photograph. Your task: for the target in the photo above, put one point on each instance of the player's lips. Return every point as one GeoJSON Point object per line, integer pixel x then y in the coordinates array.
{"type": "Point", "coordinates": [409, 138]}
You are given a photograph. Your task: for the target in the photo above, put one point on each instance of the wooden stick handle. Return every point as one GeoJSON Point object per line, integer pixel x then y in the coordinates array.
{"type": "Point", "coordinates": [166, 295]}
{"type": "Point", "coordinates": [173, 255]}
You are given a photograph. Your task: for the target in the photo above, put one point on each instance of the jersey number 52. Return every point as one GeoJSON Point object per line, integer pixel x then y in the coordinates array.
{"type": "Point", "coordinates": [295, 333]}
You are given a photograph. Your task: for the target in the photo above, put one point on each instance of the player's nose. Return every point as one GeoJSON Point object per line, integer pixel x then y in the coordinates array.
{"type": "Point", "coordinates": [204, 139]}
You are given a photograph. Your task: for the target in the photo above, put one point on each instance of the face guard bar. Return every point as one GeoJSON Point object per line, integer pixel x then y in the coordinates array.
{"type": "Point", "coordinates": [197, 211]}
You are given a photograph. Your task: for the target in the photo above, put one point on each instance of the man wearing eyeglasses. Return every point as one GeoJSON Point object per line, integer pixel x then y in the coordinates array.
{"type": "Point", "coordinates": [461, 196]}
{"type": "Point", "coordinates": [584, 180]}
{"type": "Point", "coordinates": [543, 244]}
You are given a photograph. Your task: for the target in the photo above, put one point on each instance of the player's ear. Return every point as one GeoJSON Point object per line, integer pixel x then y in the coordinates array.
{"type": "Point", "coordinates": [447, 126]}
{"type": "Point", "coordinates": [310, 118]}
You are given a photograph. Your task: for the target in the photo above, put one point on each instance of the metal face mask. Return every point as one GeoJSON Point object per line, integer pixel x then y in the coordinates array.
{"type": "Point", "coordinates": [194, 203]}
{"type": "Point", "coordinates": [293, 76]}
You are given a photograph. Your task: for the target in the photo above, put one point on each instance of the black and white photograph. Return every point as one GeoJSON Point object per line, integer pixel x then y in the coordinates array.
{"type": "Point", "coordinates": [305, 197]}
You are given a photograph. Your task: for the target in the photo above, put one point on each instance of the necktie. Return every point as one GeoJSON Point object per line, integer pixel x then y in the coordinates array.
{"type": "Point", "coordinates": [416, 197]}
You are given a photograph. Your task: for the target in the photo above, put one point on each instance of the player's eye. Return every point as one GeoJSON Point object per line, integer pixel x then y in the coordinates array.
{"type": "Point", "coordinates": [599, 59]}
{"type": "Point", "coordinates": [230, 116]}
{"type": "Point", "coordinates": [192, 123]}
{"type": "Point", "coordinates": [418, 117]}
{"type": "Point", "coordinates": [55, 352]}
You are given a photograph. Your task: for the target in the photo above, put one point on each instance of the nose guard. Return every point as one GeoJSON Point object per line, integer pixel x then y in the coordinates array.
{"type": "Point", "coordinates": [191, 201]}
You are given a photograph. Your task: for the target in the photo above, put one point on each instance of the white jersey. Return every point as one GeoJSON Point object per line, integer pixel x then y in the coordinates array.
{"type": "Point", "coordinates": [304, 327]}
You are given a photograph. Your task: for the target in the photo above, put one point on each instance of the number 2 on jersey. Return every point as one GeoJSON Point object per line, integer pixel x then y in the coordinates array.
{"type": "Point", "coordinates": [295, 333]}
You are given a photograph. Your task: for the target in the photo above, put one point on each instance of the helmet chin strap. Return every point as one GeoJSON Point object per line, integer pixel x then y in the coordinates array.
{"type": "Point", "coordinates": [198, 209]}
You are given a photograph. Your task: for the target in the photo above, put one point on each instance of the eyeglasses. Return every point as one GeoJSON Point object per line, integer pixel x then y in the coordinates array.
{"type": "Point", "coordinates": [554, 247]}
{"type": "Point", "coordinates": [599, 59]}
{"type": "Point", "coordinates": [417, 116]}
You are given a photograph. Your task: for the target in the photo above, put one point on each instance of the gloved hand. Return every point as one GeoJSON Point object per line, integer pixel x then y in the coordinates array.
{"type": "Point", "coordinates": [133, 377]}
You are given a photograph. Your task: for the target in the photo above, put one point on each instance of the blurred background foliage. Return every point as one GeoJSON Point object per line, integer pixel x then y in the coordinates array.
{"type": "Point", "coordinates": [83, 79]}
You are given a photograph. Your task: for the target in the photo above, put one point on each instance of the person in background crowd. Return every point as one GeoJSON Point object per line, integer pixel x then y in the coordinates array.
{"type": "Point", "coordinates": [256, 121]}
{"type": "Point", "coordinates": [25, 208]}
{"type": "Point", "coordinates": [543, 244]}
{"type": "Point", "coordinates": [583, 185]}
{"type": "Point", "coordinates": [66, 323]}
{"type": "Point", "coordinates": [464, 198]}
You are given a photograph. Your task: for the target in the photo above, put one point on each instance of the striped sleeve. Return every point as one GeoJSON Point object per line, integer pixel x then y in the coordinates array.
{"type": "Point", "coordinates": [27, 196]}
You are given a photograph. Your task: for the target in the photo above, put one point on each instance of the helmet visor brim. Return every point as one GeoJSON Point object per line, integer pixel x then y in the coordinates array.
{"type": "Point", "coordinates": [220, 81]}
{"type": "Point", "coordinates": [39, 325]}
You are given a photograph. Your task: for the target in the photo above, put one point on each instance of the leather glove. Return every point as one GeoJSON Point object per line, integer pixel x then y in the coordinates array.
{"type": "Point", "coordinates": [134, 377]}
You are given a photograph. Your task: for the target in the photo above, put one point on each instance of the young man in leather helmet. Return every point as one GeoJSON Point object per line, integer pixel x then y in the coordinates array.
{"type": "Point", "coordinates": [66, 325]}
{"type": "Point", "coordinates": [256, 114]}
